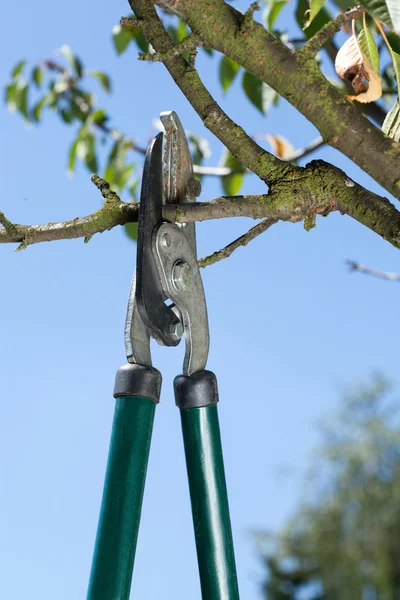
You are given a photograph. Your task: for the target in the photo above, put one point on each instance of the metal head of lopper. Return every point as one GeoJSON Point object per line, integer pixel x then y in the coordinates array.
{"type": "Point", "coordinates": [166, 267]}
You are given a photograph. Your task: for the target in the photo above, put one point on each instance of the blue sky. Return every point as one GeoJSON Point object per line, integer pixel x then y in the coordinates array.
{"type": "Point", "coordinates": [289, 327]}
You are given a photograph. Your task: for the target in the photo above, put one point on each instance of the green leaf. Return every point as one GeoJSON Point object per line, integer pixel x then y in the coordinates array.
{"type": "Point", "coordinates": [21, 98]}
{"type": "Point", "coordinates": [52, 96]}
{"type": "Point", "coordinates": [199, 148]}
{"type": "Point", "coordinates": [37, 109]}
{"type": "Point", "coordinates": [90, 159]}
{"type": "Point", "coordinates": [181, 31]}
{"type": "Point", "coordinates": [253, 90]}
{"type": "Point", "coordinates": [103, 79]}
{"type": "Point", "coordinates": [17, 70]}
{"type": "Point", "coordinates": [269, 97]}
{"type": "Point", "coordinates": [396, 65]}
{"type": "Point", "coordinates": [37, 75]}
{"type": "Point", "coordinates": [391, 124]}
{"type": "Point", "coordinates": [322, 18]}
{"type": "Point", "coordinates": [77, 112]}
{"type": "Point", "coordinates": [10, 97]}
{"type": "Point", "coordinates": [177, 33]}
{"type": "Point", "coordinates": [131, 230]}
{"type": "Point", "coordinates": [86, 150]}
{"type": "Point", "coordinates": [315, 7]}
{"type": "Point", "coordinates": [66, 116]}
{"type": "Point", "coordinates": [368, 47]}
{"type": "Point", "coordinates": [118, 171]}
{"type": "Point", "coordinates": [378, 9]}
{"type": "Point", "coordinates": [133, 188]}
{"type": "Point", "coordinates": [140, 40]}
{"type": "Point", "coordinates": [394, 41]}
{"type": "Point", "coordinates": [72, 156]}
{"type": "Point", "coordinates": [232, 183]}
{"type": "Point", "coordinates": [271, 13]}
{"type": "Point", "coordinates": [394, 12]}
{"type": "Point", "coordinates": [74, 61]}
{"type": "Point", "coordinates": [227, 72]}
{"type": "Point", "coordinates": [121, 38]}
{"type": "Point", "coordinates": [258, 92]}
{"type": "Point", "coordinates": [99, 116]}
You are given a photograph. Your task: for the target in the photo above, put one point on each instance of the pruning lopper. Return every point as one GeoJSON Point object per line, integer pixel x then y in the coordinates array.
{"type": "Point", "coordinates": [166, 269]}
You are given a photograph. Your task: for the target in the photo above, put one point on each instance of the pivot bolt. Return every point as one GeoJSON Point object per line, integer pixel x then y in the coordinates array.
{"type": "Point", "coordinates": [177, 330]}
{"type": "Point", "coordinates": [181, 275]}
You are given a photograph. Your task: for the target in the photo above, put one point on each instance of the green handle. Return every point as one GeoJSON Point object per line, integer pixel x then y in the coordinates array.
{"type": "Point", "coordinates": [117, 532]}
{"type": "Point", "coordinates": [209, 500]}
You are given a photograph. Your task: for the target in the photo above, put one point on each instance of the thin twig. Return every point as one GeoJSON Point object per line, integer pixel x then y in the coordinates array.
{"type": "Point", "coordinates": [8, 226]}
{"type": "Point", "coordinates": [318, 40]}
{"type": "Point", "coordinates": [104, 188]}
{"type": "Point", "coordinates": [302, 152]}
{"type": "Point", "coordinates": [189, 43]}
{"type": "Point", "coordinates": [243, 240]}
{"type": "Point", "coordinates": [355, 266]}
{"type": "Point", "coordinates": [249, 14]}
{"type": "Point", "coordinates": [129, 22]}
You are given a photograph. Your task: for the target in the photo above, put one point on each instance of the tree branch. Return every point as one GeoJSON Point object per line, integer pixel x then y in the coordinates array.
{"type": "Point", "coordinates": [302, 152]}
{"type": "Point", "coordinates": [112, 213]}
{"type": "Point", "coordinates": [317, 189]}
{"type": "Point", "coordinates": [314, 44]}
{"type": "Point", "coordinates": [191, 42]}
{"type": "Point", "coordinates": [355, 266]}
{"type": "Point", "coordinates": [241, 145]}
{"type": "Point", "coordinates": [299, 81]}
{"type": "Point", "coordinates": [8, 226]}
{"type": "Point", "coordinates": [243, 240]}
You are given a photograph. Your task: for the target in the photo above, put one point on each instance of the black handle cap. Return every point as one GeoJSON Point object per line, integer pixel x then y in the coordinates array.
{"type": "Point", "coordinates": [197, 390]}
{"type": "Point", "coordinates": [138, 380]}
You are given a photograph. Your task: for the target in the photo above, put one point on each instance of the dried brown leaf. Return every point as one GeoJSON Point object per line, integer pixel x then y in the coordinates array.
{"type": "Point", "coordinates": [280, 146]}
{"type": "Point", "coordinates": [352, 64]}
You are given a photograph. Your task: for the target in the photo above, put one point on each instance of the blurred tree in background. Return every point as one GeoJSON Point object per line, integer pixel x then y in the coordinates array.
{"type": "Point", "coordinates": [343, 542]}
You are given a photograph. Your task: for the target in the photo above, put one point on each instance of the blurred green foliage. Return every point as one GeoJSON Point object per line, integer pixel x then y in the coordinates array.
{"type": "Point", "coordinates": [342, 542]}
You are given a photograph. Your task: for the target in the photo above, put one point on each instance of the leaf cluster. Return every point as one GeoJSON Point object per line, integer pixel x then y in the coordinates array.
{"type": "Point", "coordinates": [61, 87]}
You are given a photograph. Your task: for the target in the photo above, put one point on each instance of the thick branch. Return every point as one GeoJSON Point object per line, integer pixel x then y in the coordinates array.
{"type": "Point", "coordinates": [242, 146]}
{"type": "Point", "coordinates": [299, 81]}
{"type": "Point", "coordinates": [317, 189]}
